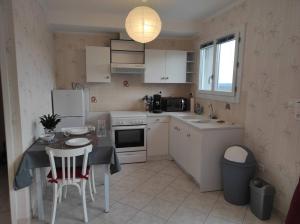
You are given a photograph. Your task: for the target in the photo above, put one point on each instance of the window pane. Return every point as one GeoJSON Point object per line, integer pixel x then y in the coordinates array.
{"type": "Point", "coordinates": [206, 67]}
{"type": "Point", "coordinates": [225, 66]}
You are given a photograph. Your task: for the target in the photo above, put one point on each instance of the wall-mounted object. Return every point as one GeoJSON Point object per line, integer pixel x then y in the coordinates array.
{"type": "Point", "coordinates": [143, 24]}
{"type": "Point", "coordinates": [297, 110]}
{"type": "Point", "coordinates": [125, 83]}
{"type": "Point", "coordinates": [93, 99]}
{"type": "Point", "coordinates": [98, 64]}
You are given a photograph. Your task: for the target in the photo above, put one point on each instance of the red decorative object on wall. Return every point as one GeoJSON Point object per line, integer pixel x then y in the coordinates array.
{"type": "Point", "coordinates": [293, 216]}
{"type": "Point", "coordinates": [125, 83]}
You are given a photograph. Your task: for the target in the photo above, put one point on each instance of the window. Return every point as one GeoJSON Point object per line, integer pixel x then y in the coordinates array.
{"type": "Point", "coordinates": [219, 68]}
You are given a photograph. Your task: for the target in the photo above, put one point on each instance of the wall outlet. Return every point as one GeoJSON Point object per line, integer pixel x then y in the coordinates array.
{"type": "Point", "coordinates": [261, 167]}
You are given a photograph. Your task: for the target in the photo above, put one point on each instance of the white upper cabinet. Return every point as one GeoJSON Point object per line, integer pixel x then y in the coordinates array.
{"type": "Point", "coordinates": [155, 66]}
{"type": "Point", "coordinates": [98, 64]}
{"type": "Point", "coordinates": [165, 66]}
{"type": "Point", "coordinates": [176, 66]}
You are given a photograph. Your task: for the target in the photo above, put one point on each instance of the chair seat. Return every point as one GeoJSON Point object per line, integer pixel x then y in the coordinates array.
{"type": "Point", "coordinates": [59, 172]}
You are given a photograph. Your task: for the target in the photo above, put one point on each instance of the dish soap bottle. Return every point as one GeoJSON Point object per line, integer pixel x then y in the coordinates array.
{"type": "Point", "coordinates": [192, 103]}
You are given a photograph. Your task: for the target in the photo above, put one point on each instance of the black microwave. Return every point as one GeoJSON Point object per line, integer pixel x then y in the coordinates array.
{"type": "Point", "coordinates": [174, 104]}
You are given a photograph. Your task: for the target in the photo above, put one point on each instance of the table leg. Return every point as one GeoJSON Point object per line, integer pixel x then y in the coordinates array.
{"type": "Point", "coordinates": [106, 188]}
{"type": "Point", "coordinates": [39, 194]}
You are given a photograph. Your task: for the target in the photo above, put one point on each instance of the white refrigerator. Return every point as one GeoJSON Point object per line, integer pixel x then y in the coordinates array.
{"type": "Point", "coordinates": [70, 106]}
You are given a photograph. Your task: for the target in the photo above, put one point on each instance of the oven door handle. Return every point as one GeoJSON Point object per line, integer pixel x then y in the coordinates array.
{"type": "Point", "coordinates": [128, 127]}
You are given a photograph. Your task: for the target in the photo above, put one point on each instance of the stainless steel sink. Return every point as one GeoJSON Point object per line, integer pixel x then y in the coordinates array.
{"type": "Point", "coordinates": [191, 117]}
{"type": "Point", "coordinates": [200, 121]}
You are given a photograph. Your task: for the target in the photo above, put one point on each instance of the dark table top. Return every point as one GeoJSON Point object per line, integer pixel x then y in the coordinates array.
{"type": "Point", "coordinates": [35, 156]}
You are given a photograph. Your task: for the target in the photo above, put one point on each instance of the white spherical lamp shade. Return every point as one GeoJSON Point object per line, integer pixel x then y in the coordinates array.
{"type": "Point", "coordinates": [143, 24]}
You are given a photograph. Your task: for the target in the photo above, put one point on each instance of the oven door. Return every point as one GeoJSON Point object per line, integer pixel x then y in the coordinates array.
{"type": "Point", "coordinates": [129, 138]}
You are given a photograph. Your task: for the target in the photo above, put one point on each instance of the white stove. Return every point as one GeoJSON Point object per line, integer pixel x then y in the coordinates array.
{"type": "Point", "coordinates": [129, 135]}
{"type": "Point", "coordinates": [122, 118]}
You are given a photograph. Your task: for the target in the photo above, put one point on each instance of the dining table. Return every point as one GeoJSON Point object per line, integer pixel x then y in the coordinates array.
{"type": "Point", "coordinates": [35, 158]}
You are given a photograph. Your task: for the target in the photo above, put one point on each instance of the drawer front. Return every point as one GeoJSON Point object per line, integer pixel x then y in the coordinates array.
{"type": "Point", "coordinates": [158, 119]}
{"type": "Point", "coordinates": [132, 157]}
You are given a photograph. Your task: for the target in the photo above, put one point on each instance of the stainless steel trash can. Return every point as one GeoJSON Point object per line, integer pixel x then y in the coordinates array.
{"type": "Point", "coordinates": [238, 168]}
{"type": "Point", "coordinates": [261, 199]}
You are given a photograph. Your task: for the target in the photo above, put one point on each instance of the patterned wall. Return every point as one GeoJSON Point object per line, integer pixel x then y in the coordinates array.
{"type": "Point", "coordinates": [271, 78]}
{"type": "Point", "coordinates": [70, 67]}
{"type": "Point", "coordinates": [35, 66]}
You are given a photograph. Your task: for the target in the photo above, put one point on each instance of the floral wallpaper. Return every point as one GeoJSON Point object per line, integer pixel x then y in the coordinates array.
{"type": "Point", "coordinates": [270, 85]}
{"type": "Point", "coordinates": [35, 66]}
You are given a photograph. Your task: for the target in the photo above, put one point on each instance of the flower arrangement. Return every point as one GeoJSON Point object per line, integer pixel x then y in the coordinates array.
{"type": "Point", "coordinates": [49, 121]}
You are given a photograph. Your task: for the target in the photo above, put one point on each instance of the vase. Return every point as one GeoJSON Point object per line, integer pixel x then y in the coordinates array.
{"type": "Point", "coordinates": [49, 131]}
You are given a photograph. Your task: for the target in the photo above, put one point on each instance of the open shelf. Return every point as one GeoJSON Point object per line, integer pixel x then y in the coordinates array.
{"type": "Point", "coordinates": [127, 52]}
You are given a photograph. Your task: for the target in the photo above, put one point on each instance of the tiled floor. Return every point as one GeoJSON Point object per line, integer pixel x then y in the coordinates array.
{"type": "Point", "coordinates": [155, 192]}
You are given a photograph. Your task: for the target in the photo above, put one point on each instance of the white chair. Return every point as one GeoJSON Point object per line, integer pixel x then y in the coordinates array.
{"type": "Point", "coordinates": [92, 178]}
{"type": "Point", "coordinates": [69, 174]}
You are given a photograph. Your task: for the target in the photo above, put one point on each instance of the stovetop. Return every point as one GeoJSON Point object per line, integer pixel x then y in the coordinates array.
{"type": "Point", "coordinates": [129, 114]}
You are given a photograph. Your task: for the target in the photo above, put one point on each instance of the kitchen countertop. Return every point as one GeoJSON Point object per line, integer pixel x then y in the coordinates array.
{"type": "Point", "coordinates": [197, 121]}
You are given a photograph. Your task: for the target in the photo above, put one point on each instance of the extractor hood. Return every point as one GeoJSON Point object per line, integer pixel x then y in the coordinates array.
{"type": "Point", "coordinates": [122, 68]}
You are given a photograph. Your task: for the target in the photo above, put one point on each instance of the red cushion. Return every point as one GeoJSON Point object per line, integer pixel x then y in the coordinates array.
{"type": "Point", "coordinates": [293, 216]}
{"type": "Point", "coordinates": [77, 173]}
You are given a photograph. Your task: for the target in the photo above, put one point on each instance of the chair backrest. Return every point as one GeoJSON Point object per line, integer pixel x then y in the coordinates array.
{"type": "Point", "coordinates": [68, 156]}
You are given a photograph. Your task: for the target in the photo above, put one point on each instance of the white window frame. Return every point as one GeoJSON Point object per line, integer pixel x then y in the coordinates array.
{"type": "Point", "coordinates": [234, 96]}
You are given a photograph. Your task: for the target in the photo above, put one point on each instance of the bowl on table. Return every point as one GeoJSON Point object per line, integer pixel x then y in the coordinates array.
{"type": "Point", "coordinates": [47, 137]}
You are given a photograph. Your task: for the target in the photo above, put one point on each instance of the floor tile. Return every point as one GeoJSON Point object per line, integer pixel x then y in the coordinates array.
{"type": "Point", "coordinates": [119, 213]}
{"type": "Point", "coordinates": [229, 212]}
{"type": "Point", "coordinates": [155, 166]}
{"type": "Point", "coordinates": [160, 208]}
{"type": "Point", "coordinates": [129, 182]}
{"type": "Point", "coordinates": [144, 218]}
{"type": "Point", "coordinates": [251, 219]}
{"type": "Point", "coordinates": [142, 174]}
{"type": "Point", "coordinates": [184, 183]}
{"type": "Point", "coordinates": [187, 216]}
{"type": "Point", "coordinates": [202, 203]}
{"type": "Point", "coordinates": [172, 170]}
{"type": "Point", "coordinates": [173, 195]}
{"type": "Point", "coordinates": [216, 220]}
{"type": "Point", "coordinates": [137, 199]}
{"type": "Point", "coordinates": [117, 192]}
{"type": "Point", "coordinates": [156, 184]}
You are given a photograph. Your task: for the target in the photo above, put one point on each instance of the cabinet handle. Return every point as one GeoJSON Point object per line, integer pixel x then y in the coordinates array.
{"type": "Point", "coordinates": [188, 135]}
{"type": "Point", "coordinates": [167, 77]}
{"type": "Point", "coordinates": [107, 77]}
{"type": "Point", "coordinates": [157, 119]}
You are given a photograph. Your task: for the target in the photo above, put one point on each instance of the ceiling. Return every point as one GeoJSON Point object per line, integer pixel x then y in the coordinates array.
{"type": "Point", "coordinates": [179, 17]}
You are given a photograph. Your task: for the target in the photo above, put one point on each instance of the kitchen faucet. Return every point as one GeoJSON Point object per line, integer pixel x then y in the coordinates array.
{"type": "Point", "coordinates": [212, 113]}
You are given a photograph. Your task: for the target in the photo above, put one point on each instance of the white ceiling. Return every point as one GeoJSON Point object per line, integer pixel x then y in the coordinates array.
{"type": "Point", "coordinates": [179, 17]}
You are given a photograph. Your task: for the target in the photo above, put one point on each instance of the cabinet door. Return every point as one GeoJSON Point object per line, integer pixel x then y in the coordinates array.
{"type": "Point", "coordinates": [176, 66]}
{"type": "Point", "coordinates": [97, 64]}
{"type": "Point", "coordinates": [174, 140]}
{"type": "Point", "coordinates": [194, 155]}
{"type": "Point", "coordinates": [155, 66]}
{"type": "Point", "coordinates": [183, 147]}
{"type": "Point", "coordinates": [158, 139]}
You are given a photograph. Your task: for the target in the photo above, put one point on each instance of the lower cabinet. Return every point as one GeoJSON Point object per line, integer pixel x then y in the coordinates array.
{"type": "Point", "coordinates": [199, 152]}
{"type": "Point", "coordinates": [157, 138]}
